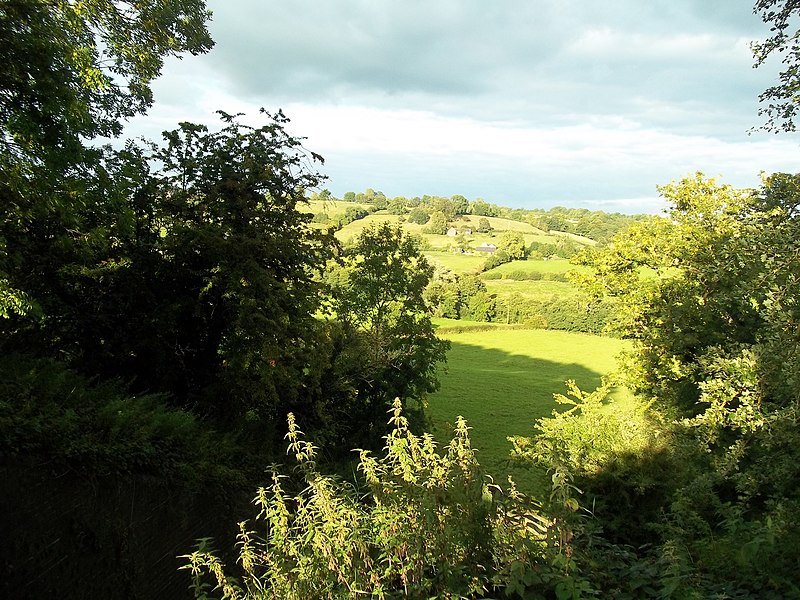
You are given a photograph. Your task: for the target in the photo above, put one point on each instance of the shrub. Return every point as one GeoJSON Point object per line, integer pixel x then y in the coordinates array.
{"type": "Point", "coordinates": [431, 526]}
{"type": "Point", "coordinates": [50, 412]}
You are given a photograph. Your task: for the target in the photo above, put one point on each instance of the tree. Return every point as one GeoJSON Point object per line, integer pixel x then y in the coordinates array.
{"type": "Point", "coordinates": [437, 224]}
{"type": "Point", "coordinates": [716, 353]}
{"type": "Point", "coordinates": [782, 98]}
{"type": "Point", "coordinates": [71, 71]}
{"type": "Point", "coordinates": [460, 204]}
{"type": "Point", "coordinates": [378, 292]}
{"type": "Point", "coordinates": [418, 216]}
{"type": "Point", "coordinates": [483, 208]}
{"type": "Point", "coordinates": [461, 243]}
{"type": "Point", "coordinates": [397, 206]}
{"type": "Point", "coordinates": [513, 244]}
{"type": "Point", "coordinates": [198, 278]}
{"type": "Point", "coordinates": [443, 205]}
{"type": "Point", "coordinates": [484, 226]}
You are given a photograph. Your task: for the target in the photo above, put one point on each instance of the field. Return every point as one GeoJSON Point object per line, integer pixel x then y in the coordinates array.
{"type": "Point", "coordinates": [532, 290]}
{"type": "Point", "coordinates": [559, 266]}
{"type": "Point", "coordinates": [440, 242]}
{"type": "Point", "coordinates": [503, 379]}
{"type": "Point", "coordinates": [458, 263]}
{"type": "Point", "coordinates": [331, 207]}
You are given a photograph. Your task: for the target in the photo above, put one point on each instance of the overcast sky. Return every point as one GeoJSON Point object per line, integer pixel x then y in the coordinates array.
{"type": "Point", "coordinates": [524, 103]}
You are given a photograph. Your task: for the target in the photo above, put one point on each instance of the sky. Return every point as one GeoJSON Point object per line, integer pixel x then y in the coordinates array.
{"type": "Point", "coordinates": [523, 103]}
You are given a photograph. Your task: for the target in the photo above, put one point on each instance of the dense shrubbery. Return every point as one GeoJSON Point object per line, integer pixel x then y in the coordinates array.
{"type": "Point", "coordinates": [459, 297]}
{"type": "Point", "coordinates": [711, 497]}
{"type": "Point", "coordinates": [57, 416]}
{"type": "Point", "coordinates": [557, 312]}
{"type": "Point", "coordinates": [430, 525]}
{"type": "Point", "coordinates": [524, 275]}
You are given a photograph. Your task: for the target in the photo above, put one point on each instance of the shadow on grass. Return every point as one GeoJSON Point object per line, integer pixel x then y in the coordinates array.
{"type": "Point", "coordinates": [503, 393]}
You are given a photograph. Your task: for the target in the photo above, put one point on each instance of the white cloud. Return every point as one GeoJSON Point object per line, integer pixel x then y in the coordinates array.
{"type": "Point", "coordinates": [518, 102]}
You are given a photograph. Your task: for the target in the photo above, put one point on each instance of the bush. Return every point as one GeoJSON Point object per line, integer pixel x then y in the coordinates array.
{"type": "Point", "coordinates": [52, 413]}
{"type": "Point", "coordinates": [431, 526]}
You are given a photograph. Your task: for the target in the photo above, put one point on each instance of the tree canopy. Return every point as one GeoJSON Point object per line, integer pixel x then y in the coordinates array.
{"type": "Point", "coordinates": [781, 99]}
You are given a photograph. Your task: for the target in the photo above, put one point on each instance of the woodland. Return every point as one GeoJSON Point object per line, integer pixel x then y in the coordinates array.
{"type": "Point", "coordinates": [219, 381]}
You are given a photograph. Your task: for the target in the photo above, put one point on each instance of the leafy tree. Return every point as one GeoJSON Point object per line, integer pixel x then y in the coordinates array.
{"type": "Point", "coordinates": [483, 208]}
{"type": "Point", "coordinates": [397, 206]}
{"type": "Point", "coordinates": [443, 205]}
{"type": "Point", "coordinates": [461, 243]}
{"type": "Point", "coordinates": [418, 216]}
{"type": "Point", "coordinates": [378, 293]}
{"type": "Point", "coordinates": [460, 204]}
{"type": "Point", "coordinates": [484, 226]}
{"type": "Point", "coordinates": [782, 106]}
{"type": "Point", "coordinates": [197, 278]}
{"type": "Point", "coordinates": [513, 244]}
{"type": "Point", "coordinates": [460, 297]}
{"type": "Point", "coordinates": [351, 213]}
{"type": "Point", "coordinates": [716, 353]}
{"type": "Point", "coordinates": [77, 70]}
{"type": "Point", "coordinates": [437, 223]}
{"type": "Point", "coordinates": [72, 71]}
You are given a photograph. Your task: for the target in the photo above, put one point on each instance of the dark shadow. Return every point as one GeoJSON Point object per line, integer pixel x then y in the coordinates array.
{"type": "Point", "coordinates": [503, 394]}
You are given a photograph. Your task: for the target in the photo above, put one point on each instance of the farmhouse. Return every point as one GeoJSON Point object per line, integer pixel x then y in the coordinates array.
{"type": "Point", "coordinates": [452, 232]}
{"type": "Point", "coordinates": [486, 248]}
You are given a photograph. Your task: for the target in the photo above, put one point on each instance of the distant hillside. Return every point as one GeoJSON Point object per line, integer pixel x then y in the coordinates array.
{"type": "Point", "coordinates": [433, 216]}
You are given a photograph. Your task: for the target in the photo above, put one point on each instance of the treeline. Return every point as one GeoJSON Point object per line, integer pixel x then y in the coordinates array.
{"type": "Point", "coordinates": [596, 225]}
{"type": "Point", "coordinates": [455, 296]}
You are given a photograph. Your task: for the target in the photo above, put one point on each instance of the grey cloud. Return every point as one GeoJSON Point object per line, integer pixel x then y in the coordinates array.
{"type": "Point", "coordinates": [678, 66]}
{"type": "Point", "coordinates": [512, 60]}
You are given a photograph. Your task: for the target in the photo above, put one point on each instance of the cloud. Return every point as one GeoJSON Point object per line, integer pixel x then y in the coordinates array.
{"type": "Point", "coordinates": [532, 103]}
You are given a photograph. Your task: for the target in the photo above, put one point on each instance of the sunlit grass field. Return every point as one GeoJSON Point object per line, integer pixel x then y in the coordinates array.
{"type": "Point", "coordinates": [502, 380]}
{"type": "Point", "coordinates": [532, 290]}
{"type": "Point", "coordinates": [458, 263]}
{"type": "Point", "coordinates": [559, 266]}
{"type": "Point", "coordinates": [440, 242]}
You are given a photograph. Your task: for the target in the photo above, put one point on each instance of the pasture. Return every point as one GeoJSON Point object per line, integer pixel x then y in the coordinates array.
{"type": "Point", "coordinates": [502, 379]}
{"type": "Point", "coordinates": [554, 266]}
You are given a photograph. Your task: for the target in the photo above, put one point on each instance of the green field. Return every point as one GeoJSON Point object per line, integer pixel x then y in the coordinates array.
{"type": "Point", "coordinates": [503, 379]}
{"type": "Point", "coordinates": [441, 242]}
{"type": "Point", "coordinates": [331, 207]}
{"type": "Point", "coordinates": [559, 266]}
{"type": "Point", "coordinates": [458, 263]}
{"type": "Point", "coordinates": [532, 290]}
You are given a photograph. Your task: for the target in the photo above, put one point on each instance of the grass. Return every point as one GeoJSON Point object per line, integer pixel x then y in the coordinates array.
{"type": "Point", "coordinates": [458, 263]}
{"type": "Point", "coordinates": [539, 266]}
{"type": "Point", "coordinates": [533, 290]}
{"type": "Point", "coordinates": [442, 242]}
{"type": "Point", "coordinates": [502, 379]}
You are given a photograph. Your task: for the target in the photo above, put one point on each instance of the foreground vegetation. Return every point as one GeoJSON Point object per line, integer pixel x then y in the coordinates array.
{"type": "Point", "coordinates": [164, 306]}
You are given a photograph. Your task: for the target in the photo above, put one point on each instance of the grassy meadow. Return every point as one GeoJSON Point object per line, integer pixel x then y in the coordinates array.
{"type": "Point", "coordinates": [553, 266]}
{"type": "Point", "coordinates": [531, 290]}
{"type": "Point", "coordinates": [502, 379]}
{"type": "Point", "coordinates": [458, 263]}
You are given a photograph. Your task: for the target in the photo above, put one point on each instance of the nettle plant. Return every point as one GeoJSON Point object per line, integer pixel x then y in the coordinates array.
{"type": "Point", "coordinates": [428, 524]}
